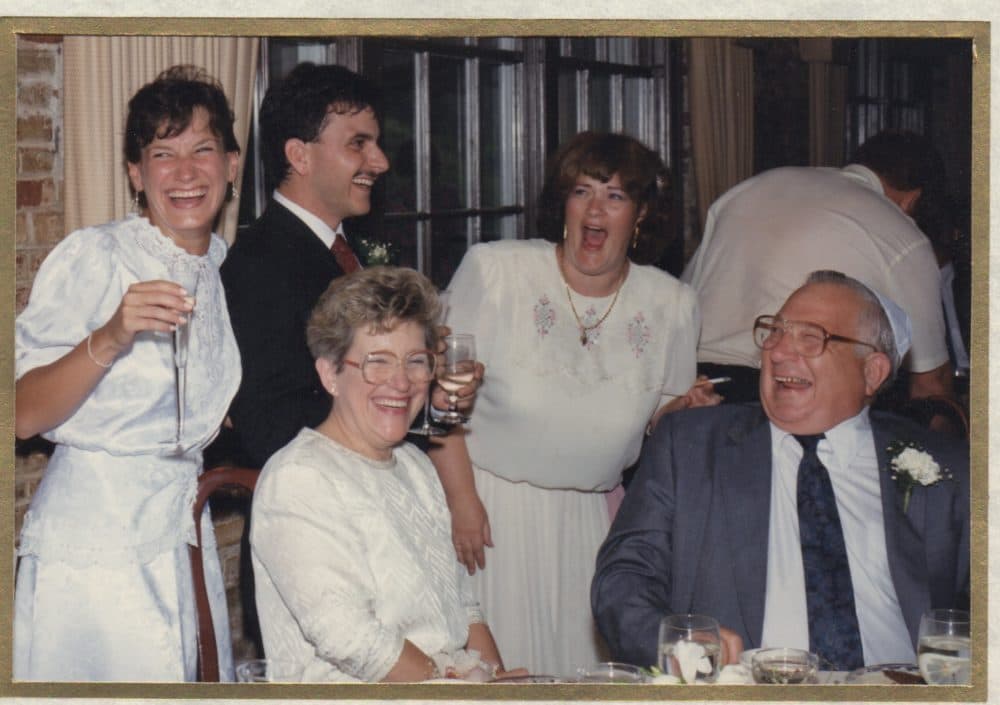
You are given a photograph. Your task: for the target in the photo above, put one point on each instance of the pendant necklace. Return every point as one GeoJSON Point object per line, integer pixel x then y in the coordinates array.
{"type": "Point", "coordinates": [584, 329]}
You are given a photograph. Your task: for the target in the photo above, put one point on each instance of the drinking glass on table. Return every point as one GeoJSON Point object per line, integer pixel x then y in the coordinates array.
{"type": "Point", "coordinates": [784, 666]}
{"type": "Point", "coordinates": [186, 276]}
{"type": "Point", "coordinates": [944, 647]}
{"type": "Point", "coordinates": [262, 670]}
{"type": "Point", "coordinates": [690, 647]}
{"type": "Point", "coordinates": [458, 371]}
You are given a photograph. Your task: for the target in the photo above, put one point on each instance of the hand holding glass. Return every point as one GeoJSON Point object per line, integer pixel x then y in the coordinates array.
{"type": "Point", "coordinates": [459, 370]}
{"type": "Point", "coordinates": [690, 647]}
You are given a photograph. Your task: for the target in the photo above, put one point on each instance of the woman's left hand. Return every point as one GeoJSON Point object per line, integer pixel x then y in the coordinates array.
{"type": "Point", "coordinates": [701, 393]}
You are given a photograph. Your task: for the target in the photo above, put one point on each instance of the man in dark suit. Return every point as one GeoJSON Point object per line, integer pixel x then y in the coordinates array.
{"type": "Point", "coordinates": [732, 515]}
{"type": "Point", "coordinates": [319, 134]}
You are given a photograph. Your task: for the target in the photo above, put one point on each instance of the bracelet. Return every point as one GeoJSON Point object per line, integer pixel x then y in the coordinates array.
{"type": "Point", "coordinates": [90, 354]}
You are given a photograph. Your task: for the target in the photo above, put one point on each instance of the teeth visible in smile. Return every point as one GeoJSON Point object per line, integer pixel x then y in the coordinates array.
{"type": "Point", "coordinates": [193, 193]}
{"type": "Point", "coordinates": [790, 380]}
{"type": "Point", "coordinates": [363, 181]}
{"type": "Point", "coordinates": [393, 403]}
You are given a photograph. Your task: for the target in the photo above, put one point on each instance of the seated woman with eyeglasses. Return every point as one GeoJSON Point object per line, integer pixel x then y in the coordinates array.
{"type": "Point", "coordinates": [351, 539]}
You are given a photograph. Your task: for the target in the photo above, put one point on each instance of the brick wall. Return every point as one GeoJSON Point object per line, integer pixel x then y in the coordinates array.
{"type": "Point", "coordinates": [39, 225]}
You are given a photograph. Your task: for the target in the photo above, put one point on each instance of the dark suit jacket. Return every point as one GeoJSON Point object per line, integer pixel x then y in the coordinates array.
{"type": "Point", "coordinates": [692, 533]}
{"type": "Point", "coordinates": [273, 276]}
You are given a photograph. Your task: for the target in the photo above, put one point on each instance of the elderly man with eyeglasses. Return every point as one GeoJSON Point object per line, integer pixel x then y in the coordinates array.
{"type": "Point", "coordinates": [806, 520]}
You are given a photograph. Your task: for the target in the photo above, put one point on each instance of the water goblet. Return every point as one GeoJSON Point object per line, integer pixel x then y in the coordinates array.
{"type": "Point", "coordinates": [690, 647]}
{"type": "Point", "coordinates": [458, 371]}
{"type": "Point", "coordinates": [944, 647]}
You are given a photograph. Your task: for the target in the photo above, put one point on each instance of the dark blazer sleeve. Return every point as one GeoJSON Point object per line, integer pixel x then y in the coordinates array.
{"type": "Point", "coordinates": [632, 582]}
{"type": "Point", "coordinates": [273, 276]}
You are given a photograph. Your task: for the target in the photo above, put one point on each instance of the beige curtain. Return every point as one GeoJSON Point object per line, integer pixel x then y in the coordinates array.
{"type": "Point", "coordinates": [827, 101]}
{"type": "Point", "coordinates": [720, 76]}
{"type": "Point", "coordinates": [100, 76]}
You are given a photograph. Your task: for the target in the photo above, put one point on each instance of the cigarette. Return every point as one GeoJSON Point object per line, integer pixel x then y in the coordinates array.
{"type": "Point", "coordinates": [716, 380]}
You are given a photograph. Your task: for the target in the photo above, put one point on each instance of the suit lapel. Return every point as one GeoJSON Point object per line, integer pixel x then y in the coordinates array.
{"type": "Point", "coordinates": [904, 546]}
{"type": "Point", "coordinates": [745, 477]}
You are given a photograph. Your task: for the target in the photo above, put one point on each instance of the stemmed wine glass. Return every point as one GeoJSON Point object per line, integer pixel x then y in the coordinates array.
{"type": "Point", "coordinates": [187, 277]}
{"type": "Point", "coordinates": [690, 647]}
{"type": "Point", "coordinates": [459, 370]}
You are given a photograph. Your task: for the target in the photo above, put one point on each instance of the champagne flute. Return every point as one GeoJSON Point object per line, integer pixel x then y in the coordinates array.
{"type": "Point", "coordinates": [459, 371]}
{"type": "Point", "coordinates": [944, 647]}
{"type": "Point", "coordinates": [690, 647]}
{"type": "Point", "coordinates": [186, 276]}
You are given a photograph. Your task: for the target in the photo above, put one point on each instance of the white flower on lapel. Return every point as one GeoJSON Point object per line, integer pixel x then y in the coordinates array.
{"type": "Point", "coordinates": [911, 465]}
{"type": "Point", "coordinates": [374, 253]}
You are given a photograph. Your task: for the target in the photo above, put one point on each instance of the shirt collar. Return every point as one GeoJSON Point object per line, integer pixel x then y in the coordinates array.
{"type": "Point", "coordinates": [865, 176]}
{"type": "Point", "coordinates": [843, 440]}
{"type": "Point", "coordinates": [323, 231]}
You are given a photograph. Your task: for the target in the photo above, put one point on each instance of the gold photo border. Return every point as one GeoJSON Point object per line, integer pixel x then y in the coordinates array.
{"type": "Point", "coordinates": [978, 32]}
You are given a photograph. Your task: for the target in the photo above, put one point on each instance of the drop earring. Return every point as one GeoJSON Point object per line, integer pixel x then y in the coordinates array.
{"type": "Point", "coordinates": [564, 232]}
{"type": "Point", "coordinates": [635, 236]}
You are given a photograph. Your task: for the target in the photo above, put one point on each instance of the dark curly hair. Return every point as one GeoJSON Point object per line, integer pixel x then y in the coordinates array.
{"type": "Point", "coordinates": [164, 107]}
{"type": "Point", "coordinates": [298, 108]}
{"type": "Point", "coordinates": [601, 155]}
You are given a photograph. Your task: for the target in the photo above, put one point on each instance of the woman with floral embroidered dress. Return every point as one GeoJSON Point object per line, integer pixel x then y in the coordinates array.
{"type": "Point", "coordinates": [103, 587]}
{"type": "Point", "coordinates": [583, 349]}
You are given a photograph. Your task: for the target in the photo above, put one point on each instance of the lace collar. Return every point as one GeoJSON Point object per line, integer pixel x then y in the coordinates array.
{"type": "Point", "coordinates": [151, 239]}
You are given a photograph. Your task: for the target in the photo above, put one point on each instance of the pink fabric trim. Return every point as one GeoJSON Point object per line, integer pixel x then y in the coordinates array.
{"type": "Point", "coordinates": [614, 499]}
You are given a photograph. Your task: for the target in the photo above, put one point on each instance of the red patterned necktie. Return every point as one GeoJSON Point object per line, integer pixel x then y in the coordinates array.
{"type": "Point", "coordinates": [346, 258]}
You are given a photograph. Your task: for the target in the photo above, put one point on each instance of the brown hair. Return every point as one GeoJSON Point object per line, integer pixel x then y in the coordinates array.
{"type": "Point", "coordinates": [601, 155]}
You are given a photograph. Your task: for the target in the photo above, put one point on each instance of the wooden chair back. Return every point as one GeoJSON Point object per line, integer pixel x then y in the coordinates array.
{"type": "Point", "coordinates": [210, 481]}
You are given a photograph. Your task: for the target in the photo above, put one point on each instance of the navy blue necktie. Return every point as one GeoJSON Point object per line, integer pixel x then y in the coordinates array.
{"type": "Point", "coordinates": [833, 621]}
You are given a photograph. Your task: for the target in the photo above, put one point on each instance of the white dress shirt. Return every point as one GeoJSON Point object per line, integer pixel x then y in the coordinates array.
{"type": "Point", "coordinates": [848, 452]}
{"type": "Point", "coordinates": [323, 231]}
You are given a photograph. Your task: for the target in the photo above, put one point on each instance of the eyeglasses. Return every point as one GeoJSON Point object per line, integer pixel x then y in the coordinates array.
{"type": "Point", "coordinates": [808, 339]}
{"type": "Point", "coordinates": [379, 366]}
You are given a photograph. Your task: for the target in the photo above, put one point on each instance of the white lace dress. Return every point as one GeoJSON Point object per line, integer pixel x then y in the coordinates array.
{"type": "Point", "coordinates": [554, 426]}
{"type": "Point", "coordinates": [351, 556]}
{"type": "Point", "coordinates": [103, 586]}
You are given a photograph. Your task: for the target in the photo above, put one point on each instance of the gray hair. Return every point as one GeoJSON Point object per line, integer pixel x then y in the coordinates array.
{"type": "Point", "coordinates": [873, 322]}
{"type": "Point", "coordinates": [377, 299]}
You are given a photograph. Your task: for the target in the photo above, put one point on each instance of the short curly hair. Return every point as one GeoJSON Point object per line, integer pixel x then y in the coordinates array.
{"type": "Point", "coordinates": [376, 299]}
{"type": "Point", "coordinates": [165, 107]}
{"type": "Point", "coordinates": [601, 155]}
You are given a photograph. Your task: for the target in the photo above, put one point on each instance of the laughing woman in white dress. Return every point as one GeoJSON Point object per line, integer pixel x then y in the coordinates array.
{"type": "Point", "coordinates": [103, 589]}
{"type": "Point", "coordinates": [583, 350]}
{"type": "Point", "coordinates": [350, 539]}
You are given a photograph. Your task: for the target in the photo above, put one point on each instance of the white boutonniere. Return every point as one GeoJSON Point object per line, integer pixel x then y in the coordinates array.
{"type": "Point", "coordinates": [374, 253]}
{"type": "Point", "coordinates": [911, 465]}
